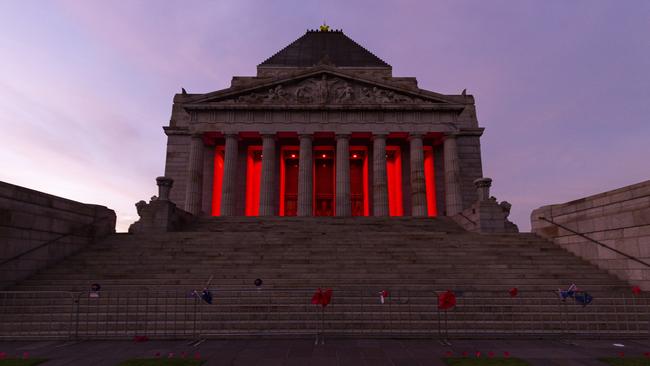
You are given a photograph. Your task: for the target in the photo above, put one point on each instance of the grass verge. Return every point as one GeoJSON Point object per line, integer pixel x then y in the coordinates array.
{"type": "Point", "coordinates": [627, 361]}
{"type": "Point", "coordinates": [497, 361]}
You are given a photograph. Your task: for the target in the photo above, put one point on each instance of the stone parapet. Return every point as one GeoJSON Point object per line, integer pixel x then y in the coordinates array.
{"type": "Point", "coordinates": [619, 218]}
{"type": "Point", "coordinates": [29, 219]}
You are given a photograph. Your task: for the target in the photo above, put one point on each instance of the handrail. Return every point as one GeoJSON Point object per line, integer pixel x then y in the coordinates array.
{"type": "Point", "coordinates": [74, 231]}
{"type": "Point", "coordinates": [595, 241]}
{"type": "Point", "coordinates": [467, 218]}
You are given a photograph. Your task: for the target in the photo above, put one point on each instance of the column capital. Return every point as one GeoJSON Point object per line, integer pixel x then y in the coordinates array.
{"type": "Point", "coordinates": [231, 135]}
{"type": "Point", "coordinates": [309, 136]}
{"type": "Point", "coordinates": [345, 136]}
{"type": "Point", "coordinates": [415, 135]}
{"type": "Point", "coordinates": [269, 135]}
{"type": "Point", "coordinates": [380, 135]}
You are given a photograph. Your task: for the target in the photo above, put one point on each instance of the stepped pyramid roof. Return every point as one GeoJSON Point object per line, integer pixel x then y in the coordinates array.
{"type": "Point", "coordinates": [330, 47]}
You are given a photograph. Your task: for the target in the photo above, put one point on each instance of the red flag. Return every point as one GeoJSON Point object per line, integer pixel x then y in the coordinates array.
{"type": "Point", "coordinates": [327, 297]}
{"type": "Point", "coordinates": [446, 300]}
{"type": "Point", "coordinates": [383, 294]}
{"type": "Point", "coordinates": [317, 298]}
{"type": "Point", "coordinates": [321, 297]}
{"type": "Point", "coordinates": [513, 292]}
{"type": "Point", "coordinates": [636, 290]}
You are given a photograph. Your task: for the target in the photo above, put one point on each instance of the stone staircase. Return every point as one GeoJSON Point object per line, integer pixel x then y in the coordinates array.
{"type": "Point", "coordinates": [147, 280]}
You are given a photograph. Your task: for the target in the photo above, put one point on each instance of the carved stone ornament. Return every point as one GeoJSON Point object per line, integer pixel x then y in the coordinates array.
{"type": "Point", "coordinates": [323, 90]}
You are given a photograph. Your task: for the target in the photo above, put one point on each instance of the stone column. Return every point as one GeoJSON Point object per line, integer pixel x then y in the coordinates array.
{"type": "Point", "coordinates": [229, 184]}
{"type": "Point", "coordinates": [379, 177]}
{"type": "Point", "coordinates": [305, 177]}
{"type": "Point", "coordinates": [267, 184]}
{"type": "Point", "coordinates": [194, 187]}
{"type": "Point", "coordinates": [343, 203]}
{"type": "Point", "coordinates": [164, 186]}
{"type": "Point", "coordinates": [453, 193]}
{"type": "Point", "coordinates": [418, 183]}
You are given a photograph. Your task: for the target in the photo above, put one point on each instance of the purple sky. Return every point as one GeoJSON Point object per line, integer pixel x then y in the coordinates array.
{"type": "Point", "coordinates": [562, 87]}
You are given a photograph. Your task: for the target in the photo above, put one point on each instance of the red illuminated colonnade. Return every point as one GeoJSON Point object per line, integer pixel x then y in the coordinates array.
{"type": "Point", "coordinates": [373, 174]}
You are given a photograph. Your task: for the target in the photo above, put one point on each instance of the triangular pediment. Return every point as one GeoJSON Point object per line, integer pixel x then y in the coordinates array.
{"type": "Point", "coordinates": [320, 88]}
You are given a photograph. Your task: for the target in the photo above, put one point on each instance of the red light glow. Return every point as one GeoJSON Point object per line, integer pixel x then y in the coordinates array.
{"type": "Point", "coordinates": [430, 181]}
{"type": "Point", "coordinates": [217, 182]}
{"type": "Point", "coordinates": [288, 183]}
{"type": "Point", "coordinates": [359, 181]}
{"type": "Point", "coordinates": [253, 180]}
{"type": "Point", "coordinates": [394, 172]}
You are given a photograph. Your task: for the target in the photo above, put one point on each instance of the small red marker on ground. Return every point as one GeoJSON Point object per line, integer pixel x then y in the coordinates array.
{"type": "Point", "coordinates": [197, 356]}
{"type": "Point", "coordinates": [184, 355]}
{"type": "Point", "coordinates": [621, 354]}
{"type": "Point", "coordinates": [25, 355]}
{"type": "Point", "coordinates": [170, 355]}
{"type": "Point", "coordinates": [157, 354]}
{"type": "Point", "coordinates": [646, 354]}
{"type": "Point", "coordinates": [490, 354]}
{"type": "Point", "coordinates": [449, 353]}
{"type": "Point", "coordinates": [465, 354]}
{"type": "Point", "coordinates": [506, 354]}
{"type": "Point", "coordinates": [478, 354]}
{"type": "Point", "coordinates": [2, 355]}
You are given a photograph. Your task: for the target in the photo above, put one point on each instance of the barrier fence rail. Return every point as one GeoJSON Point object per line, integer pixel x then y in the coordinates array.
{"type": "Point", "coordinates": [290, 312]}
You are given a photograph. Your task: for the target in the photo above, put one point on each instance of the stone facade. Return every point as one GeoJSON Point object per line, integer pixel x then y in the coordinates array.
{"type": "Point", "coordinates": [30, 218]}
{"type": "Point", "coordinates": [333, 97]}
{"type": "Point", "coordinates": [619, 219]}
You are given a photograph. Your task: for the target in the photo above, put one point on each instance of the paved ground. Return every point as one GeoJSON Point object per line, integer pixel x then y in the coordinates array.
{"type": "Point", "coordinates": [334, 352]}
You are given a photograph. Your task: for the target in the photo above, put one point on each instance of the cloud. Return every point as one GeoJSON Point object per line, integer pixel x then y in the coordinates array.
{"type": "Point", "coordinates": [561, 88]}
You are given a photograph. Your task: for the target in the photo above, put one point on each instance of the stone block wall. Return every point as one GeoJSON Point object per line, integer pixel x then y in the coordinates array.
{"type": "Point", "coordinates": [178, 151]}
{"type": "Point", "coordinates": [30, 218]}
{"type": "Point", "coordinates": [471, 168]}
{"type": "Point", "coordinates": [618, 218]}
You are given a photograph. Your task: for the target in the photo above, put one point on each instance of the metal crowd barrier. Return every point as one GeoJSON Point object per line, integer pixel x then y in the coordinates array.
{"type": "Point", "coordinates": [180, 314]}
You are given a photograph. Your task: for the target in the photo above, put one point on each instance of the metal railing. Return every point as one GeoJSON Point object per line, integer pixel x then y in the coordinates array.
{"type": "Point", "coordinates": [628, 256]}
{"type": "Point", "coordinates": [289, 312]}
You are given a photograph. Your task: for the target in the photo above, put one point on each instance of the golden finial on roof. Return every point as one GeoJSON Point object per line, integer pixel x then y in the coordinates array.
{"type": "Point", "coordinates": [324, 27]}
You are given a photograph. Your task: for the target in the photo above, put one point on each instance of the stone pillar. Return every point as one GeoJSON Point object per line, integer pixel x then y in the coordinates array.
{"type": "Point", "coordinates": [267, 184]}
{"type": "Point", "coordinates": [193, 189]}
{"type": "Point", "coordinates": [164, 186]}
{"type": "Point", "coordinates": [453, 193]}
{"type": "Point", "coordinates": [305, 177]}
{"type": "Point", "coordinates": [483, 188]}
{"type": "Point", "coordinates": [418, 183]}
{"type": "Point", "coordinates": [343, 203]}
{"type": "Point", "coordinates": [379, 177]}
{"type": "Point", "coordinates": [229, 184]}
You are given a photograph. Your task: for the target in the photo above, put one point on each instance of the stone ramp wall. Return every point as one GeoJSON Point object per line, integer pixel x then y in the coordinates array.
{"type": "Point", "coordinates": [618, 218]}
{"type": "Point", "coordinates": [30, 218]}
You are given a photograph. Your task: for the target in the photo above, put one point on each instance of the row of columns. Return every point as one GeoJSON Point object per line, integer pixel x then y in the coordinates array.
{"type": "Point", "coordinates": [305, 176]}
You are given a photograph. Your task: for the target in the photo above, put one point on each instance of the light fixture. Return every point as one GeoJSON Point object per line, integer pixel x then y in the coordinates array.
{"type": "Point", "coordinates": [324, 155]}
{"type": "Point", "coordinates": [354, 156]}
{"type": "Point", "coordinates": [293, 155]}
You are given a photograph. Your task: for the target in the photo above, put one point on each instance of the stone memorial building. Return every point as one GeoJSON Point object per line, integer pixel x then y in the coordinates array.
{"type": "Point", "coordinates": [323, 129]}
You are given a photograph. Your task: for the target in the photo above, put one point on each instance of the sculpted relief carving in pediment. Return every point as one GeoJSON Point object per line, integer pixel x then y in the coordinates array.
{"type": "Point", "coordinates": [326, 90]}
